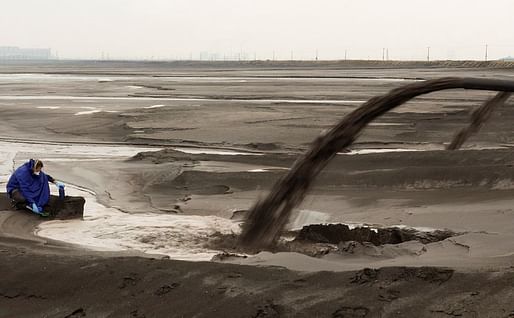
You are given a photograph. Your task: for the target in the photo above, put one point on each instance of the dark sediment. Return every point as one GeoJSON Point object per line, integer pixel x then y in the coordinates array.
{"type": "Point", "coordinates": [337, 233]}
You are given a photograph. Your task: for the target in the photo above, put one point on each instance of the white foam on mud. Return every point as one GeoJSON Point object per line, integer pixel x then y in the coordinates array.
{"type": "Point", "coordinates": [108, 228]}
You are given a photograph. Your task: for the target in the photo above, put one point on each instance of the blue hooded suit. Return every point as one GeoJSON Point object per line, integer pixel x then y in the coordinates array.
{"type": "Point", "coordinates": [33, 187]}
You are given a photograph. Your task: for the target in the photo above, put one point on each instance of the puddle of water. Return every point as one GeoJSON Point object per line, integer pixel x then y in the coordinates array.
{"type": "Point", "coordinates": [93, 110]}
{"type": "Point", "coordinates": [88, 112]}
{"type": "Point", "coordinates": [27, 77]}
{"type": "Point", "coordinates": [377, 150]}
{"type": "Point", "coordinates": [65, 150]}
{"type": "Point", "coordinates": [208, 151]}
{"type": "Point", "coordinates": [290, 101]}
{"type": "Point", "coordinates": [386, 124]}
{"type": "Point", "coordinates": [154, 106]}
{"type": "Point", "coordinates": [49, 107]}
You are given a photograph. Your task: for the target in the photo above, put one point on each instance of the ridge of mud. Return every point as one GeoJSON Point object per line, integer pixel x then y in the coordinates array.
{"type": "Point", "coordinates": [170, 155]}
{"type": "Point", "coordinates": [140, 287]}
{"type": "Point", "coordinates": [441, 169]}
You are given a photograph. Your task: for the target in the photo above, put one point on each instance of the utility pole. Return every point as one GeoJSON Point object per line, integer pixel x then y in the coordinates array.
{"type": "Point", "coordinates": [316, 54]}
{"type": "Point", "coordinates": [345, 54]}
{"type": "Point", "coordinates": [383, 54]}
{"type": "Point", "coordinates": [486, 47]}
{"type": "Point", "coordinates": [387, 54]}
{"type": "Point", "coordinates": [428, 53]}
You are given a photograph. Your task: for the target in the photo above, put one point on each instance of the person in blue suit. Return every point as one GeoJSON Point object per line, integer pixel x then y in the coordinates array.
{"type": "Point", "coordinates": [28, 187]}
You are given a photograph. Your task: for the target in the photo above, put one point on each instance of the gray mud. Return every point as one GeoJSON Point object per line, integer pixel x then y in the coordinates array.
{"type": "Point", "coordinates": [469, 192]}
{"type": "Point", "coordinates": [269, 216]}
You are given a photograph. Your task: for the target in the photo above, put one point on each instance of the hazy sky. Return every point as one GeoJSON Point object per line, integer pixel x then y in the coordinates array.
{"type": "Point", "coordinates": [454, 29]}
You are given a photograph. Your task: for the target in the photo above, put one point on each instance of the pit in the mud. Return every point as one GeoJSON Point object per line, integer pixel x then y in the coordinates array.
{"type": "Point", "coordinates": [318, 240]}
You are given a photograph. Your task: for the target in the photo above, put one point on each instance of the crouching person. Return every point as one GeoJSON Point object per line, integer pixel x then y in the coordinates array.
{"type": "Point", "coordinates": [28, 187]}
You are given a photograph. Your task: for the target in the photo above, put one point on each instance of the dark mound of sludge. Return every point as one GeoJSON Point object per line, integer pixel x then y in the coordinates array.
{"type": "Point", "coordinates": [337, 233]}
{"type": "Point", "coordinates": [318, 240]}
{"type": "Point", "coordinates": [69, 208]}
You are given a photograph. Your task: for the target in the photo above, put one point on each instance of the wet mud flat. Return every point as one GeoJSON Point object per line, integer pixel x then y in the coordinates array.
{"type": "Point", "coordinates": [82, 286]}
{"type": "Point", "coordinates": [194, 105]}
{"type": "Point", "coordinates": [419, 208]}
{"type": "Point", "coordinates": [396, 178]}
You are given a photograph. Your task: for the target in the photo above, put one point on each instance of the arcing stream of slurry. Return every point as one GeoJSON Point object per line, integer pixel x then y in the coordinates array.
{"type": "Point", "coordinates": [268, 217]}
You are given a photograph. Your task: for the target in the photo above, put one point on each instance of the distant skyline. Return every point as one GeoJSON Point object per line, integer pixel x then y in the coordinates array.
{"type": "Point", "coordinates": [264, 29]}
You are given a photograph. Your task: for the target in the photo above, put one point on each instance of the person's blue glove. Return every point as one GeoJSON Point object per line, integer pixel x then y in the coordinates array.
{"type": "Point", "coordinates": [35, 208]}
{"type": "Point", "coordinates": [59, 184]}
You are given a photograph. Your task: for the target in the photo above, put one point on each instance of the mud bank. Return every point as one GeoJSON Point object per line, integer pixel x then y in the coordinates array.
{"type": "Point", "coordinates": [136, 287]}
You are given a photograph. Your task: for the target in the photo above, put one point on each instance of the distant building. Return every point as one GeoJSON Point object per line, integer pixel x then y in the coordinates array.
{"type": "Point", "coordinates": [16, 53]}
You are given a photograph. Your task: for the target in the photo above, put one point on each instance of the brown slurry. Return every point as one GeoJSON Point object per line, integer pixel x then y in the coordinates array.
{"type": "Point", "coordinates": [268, 217]}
